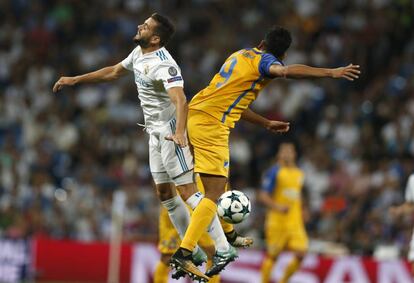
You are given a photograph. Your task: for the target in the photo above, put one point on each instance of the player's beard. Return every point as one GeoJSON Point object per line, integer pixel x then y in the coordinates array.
{"type": "Point", "coordinates": [143, 42]}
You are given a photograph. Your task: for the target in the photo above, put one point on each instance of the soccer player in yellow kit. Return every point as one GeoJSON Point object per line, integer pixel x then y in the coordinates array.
{"type": "Point", "coordinates": [169, 241]}
{"type": "Point", "coordinates": [284, 229]}
{"type": "Point", "coordinates": [215, 110]}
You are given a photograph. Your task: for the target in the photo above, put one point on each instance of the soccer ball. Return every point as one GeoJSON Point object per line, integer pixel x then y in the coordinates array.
{"type": "Point", "coordinates": [233, 206]}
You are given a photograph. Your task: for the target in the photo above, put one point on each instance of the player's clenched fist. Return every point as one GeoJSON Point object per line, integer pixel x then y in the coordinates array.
{"type": "Point", "coordinates": [64, 81]}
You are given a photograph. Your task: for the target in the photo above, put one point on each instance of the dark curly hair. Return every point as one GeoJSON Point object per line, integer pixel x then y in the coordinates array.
{"type": "Point", "coordinates": [277, 40]}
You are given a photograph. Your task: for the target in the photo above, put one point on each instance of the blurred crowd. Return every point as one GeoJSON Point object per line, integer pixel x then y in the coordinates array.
{"type": "Point", "coordinates": [63, 155]}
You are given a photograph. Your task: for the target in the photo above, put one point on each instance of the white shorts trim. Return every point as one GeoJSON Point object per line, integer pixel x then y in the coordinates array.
{"type": "Point", "coordinates": [184, 179]}
{"type": "Point", "coordinates": [160, 177]}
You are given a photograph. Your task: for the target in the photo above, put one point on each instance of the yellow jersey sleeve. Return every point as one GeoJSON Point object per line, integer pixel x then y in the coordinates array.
{"type": "Point", "coordinates": [235, 86]}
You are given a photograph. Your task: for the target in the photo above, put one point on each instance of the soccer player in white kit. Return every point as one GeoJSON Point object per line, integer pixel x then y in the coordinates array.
{"type": "Point", "coordinates": [160, 90]}
{"type": "Point", "coordinates": [406, 208]}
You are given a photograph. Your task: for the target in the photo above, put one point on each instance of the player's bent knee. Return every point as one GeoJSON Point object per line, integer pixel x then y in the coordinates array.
{"type": "Point", "coordinates": [272, 254]}
{"type": "Point", "coordinates": [185, 184]}
{"type": "Point", "coordinates": [300, 255]}
{"type": "Point", "coordinates": [165, 191]}
{"type": "Point", "coordinates": [273, 251]}
{"type": "Point", "coordinates": [271, 257]}
{"type": "Point", "coordinates": [187, 191]}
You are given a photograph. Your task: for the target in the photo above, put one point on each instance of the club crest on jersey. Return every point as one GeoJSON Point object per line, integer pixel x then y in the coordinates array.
{"type": "Point", "coordinates": [146, 69]}
{"type": "Point", "coordinates": [172, 71]}
{"type": "Point", "coordinates": [226, 164]}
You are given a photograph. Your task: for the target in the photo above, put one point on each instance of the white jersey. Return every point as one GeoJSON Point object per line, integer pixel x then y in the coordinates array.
{"type": "Point", "coordinates": [409, 190]}
{"type": "Point", "coordinates": [154, 73]}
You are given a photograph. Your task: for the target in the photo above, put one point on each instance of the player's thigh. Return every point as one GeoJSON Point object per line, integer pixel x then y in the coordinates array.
{"type": "Point", "coordinates": [185, 185]}
{"type": "Point", "coordinates": [214, 185]}
{"type": "Point", "coordinates": [176, 160]}
{"type": "Point", "coordinates": [165, 191]}
{"type": "Point", "coordinates": [200, 185]}
{"type": "Point", "coordinates": [298, 240]}
{"type": "Point", "coordinates": [210, 141]}
{"type": "Point", "coordinates": [168, 238]}
{"type": "Point", "coordinates": [276, 240]}
{"type": "Point", "coordinates": [158, 171]}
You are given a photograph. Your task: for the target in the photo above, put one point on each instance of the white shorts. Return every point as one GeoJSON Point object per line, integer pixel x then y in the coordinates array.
{"type": "Point", "coordinates": [167, 160]}
{"type": "Point", "coordinates": [411, 250]}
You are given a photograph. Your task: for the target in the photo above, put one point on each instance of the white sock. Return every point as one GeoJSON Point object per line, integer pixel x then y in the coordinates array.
{"type": "Point", "coordinates": [217, 234]}
{"type": "Point", "coordinates": [194, 200]}
{"type": "Point", "coordinates": [179, 214]}
{"type": "Point", "coordinates": [215, 230]}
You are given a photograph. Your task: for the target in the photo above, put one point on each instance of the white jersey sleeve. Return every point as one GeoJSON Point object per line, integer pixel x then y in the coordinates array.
{"type": "Point", "coordinates": [127, 63]}
{"type": "Point", "coordinates": [170, 75]}
{"type": "Point", "coordinates": [409, 190]}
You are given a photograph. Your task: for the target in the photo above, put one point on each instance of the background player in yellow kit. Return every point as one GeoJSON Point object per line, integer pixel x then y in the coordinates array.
{"type": "Point", "coordinates": [215, 110]}
{"type": "Point", "coordinates": [284, 228]}
{"type": "Point", "coordinates": [169, 241]}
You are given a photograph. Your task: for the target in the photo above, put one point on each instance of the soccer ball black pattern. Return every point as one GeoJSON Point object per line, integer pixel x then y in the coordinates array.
{"type": "Point", "coordinates": [233, 206]}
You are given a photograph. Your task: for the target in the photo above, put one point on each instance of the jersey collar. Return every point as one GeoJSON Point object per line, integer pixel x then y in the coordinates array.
{"type": "Point", "coordinates": [152, 52]}
{"type": "Point", "coordinates": [257, 50]}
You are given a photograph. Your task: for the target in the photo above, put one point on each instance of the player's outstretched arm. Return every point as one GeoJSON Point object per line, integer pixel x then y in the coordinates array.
{"type": "Point", "coordinates": [180, 101]}
{"type": "Point", "coordinates": [298, 71]}
{"type": "Point", "coordinates": [102, 75]}
{"type": "Point", "coordinates": [273, 126]}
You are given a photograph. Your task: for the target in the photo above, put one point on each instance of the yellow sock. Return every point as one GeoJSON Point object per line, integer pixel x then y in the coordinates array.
{"type": "Point", "coordinates": [200, 220]}
{"type": "Point", "coordinates": [161, 273]}
{"type": "Point", "coordinates": [266, 270]}
{"type": "Point", "coordinates": [214, 279]}
{"type": "Point", "coordinates": [290, 269]}
{"type": "Point", "coordinates": [227, 227]}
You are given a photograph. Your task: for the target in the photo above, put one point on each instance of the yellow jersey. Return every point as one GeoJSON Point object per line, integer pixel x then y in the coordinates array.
{"type": "Point", "coordinates": [235, 86]}
{"type": "Point", "coordinates": [284, 184]}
